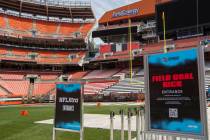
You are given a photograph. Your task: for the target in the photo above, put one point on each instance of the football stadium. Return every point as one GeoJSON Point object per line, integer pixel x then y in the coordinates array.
{"type": "Point", "coordinates": [124, 70]}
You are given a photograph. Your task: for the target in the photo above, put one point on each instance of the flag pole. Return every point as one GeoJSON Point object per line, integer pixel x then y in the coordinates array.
{"type": "Point", "coordinates": [130, 49]}
{"type": "Point", "coordinates": [164, 31]}
{"type": "Point", "coordinates": [130, 45]}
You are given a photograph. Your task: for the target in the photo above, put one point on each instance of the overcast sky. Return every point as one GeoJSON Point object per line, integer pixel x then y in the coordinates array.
{"type": "Point", "coordinates": [101, 6]}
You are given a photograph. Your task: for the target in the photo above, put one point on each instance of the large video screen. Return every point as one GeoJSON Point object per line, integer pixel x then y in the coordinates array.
{"type": "Point", "coordinates": [182, 14]}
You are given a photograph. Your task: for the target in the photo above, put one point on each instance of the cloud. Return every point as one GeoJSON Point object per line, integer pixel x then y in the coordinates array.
{"type": "Point", "coordinates": [102, 6]}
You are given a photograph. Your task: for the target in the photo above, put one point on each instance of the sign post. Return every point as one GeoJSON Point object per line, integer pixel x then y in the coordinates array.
{"type": "Point", "coordinates": [175, 94]}
{"type": "Point", "coordinates": [69, 108]}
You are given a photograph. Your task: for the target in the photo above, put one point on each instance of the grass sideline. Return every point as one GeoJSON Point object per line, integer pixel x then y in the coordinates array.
{"type": "Point", "coordinates": [13, 126]}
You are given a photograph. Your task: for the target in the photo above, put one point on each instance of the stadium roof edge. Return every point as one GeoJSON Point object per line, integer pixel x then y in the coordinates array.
{"type": "Point", "coordinates": [138, 9]}
{"type": "Point", "coordinates": [72, 10]}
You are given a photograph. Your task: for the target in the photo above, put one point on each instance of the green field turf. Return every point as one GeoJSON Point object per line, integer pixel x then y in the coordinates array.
{"type": "Point", "coordinates": [13, 126]}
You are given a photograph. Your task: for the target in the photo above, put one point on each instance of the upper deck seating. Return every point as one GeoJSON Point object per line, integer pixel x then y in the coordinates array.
{"type": "Point", "coordinates": [86, 28]}
{"type": "Point", "coordinates": [24, 27]}
{"type": "Point", "coordinates": [3, 51]}
{"type": "Point", "coordinates": [2, 22]}
{"type": "Point", "coordinates": [67, 29]}
{"type": "Point", "coordinates": [46, 27]}
{"type": "Point", "coordinates": [20, 24]}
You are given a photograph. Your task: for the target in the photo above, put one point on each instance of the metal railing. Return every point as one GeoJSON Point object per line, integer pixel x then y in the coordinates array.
{"type": "Point", "coordinates": [61, 3]}
{"type": "Point", "coordinates": [138, 114]}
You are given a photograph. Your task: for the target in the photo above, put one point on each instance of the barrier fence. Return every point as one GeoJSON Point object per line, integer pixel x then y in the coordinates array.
{"type": "Point", "coordinates": [138, 114]}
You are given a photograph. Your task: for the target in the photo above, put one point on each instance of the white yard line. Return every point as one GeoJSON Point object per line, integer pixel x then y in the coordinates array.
{"type": "Point", "coordinates": [99, 121]}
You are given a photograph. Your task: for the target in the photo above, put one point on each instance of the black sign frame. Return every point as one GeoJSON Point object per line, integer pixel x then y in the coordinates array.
{"type": "Point", "coordinates": [202, 100]}
{"type": "Point", "coordinates": [81, 131]}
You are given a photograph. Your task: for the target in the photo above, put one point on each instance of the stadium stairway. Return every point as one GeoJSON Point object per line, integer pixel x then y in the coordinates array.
{"type": "Point", "coordinates": [31, 89]}
{"type": "Point", "coordinates": [15, 88]}
{"type": "Point", "coordinates": [4, 92]}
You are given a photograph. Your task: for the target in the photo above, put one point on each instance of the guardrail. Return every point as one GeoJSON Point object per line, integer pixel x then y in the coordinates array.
{"type": "Point", "coordinates": [138, 114]}
{"type": "Point", "coordinates": [60, 3]}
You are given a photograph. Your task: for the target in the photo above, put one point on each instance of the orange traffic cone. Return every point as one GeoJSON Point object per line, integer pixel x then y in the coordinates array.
{"type": "Point", "coordinates": [24, 113]}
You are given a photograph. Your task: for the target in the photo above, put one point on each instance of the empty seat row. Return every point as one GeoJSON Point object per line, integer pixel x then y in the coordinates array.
{"type": "Point", "coordinates": [15, 88]}
{"type": "Point", "coordinates": [43, 88]}
{"type": "Point", "coordinates": [101, 74]}
{"type": "Point", "coordinates": [126, 86]}
{"type": "Point", "coordinates": [41, 57]}
{"type": "Point", "coordinates": [11, 76]}
{"type": "Point", "coordinates": [25, 27]}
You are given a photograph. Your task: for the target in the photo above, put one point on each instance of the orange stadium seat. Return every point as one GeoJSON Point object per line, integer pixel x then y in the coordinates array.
{"type": "Point", "coordinates": [101, 74]}
{"type": "Point", "coordinates": [185, 43]}
{"type": "Point", "coordinates": [45, 54]}
{"type": "Point", "coordinates": [48, 77]}
{"type": "Point", "coordinates": [43, 88]}
{"type": "Point", "coordinates": [153, 48]}
{"type": "Point", "coordinates": [3, 51]}
{"type": "Point", "coordinates": [21, 24]}
{"type": "Point", "coordinates": [20, 52]}
{"type": "Point", "coordinates": [51, 54]}
{"type": "Point", "coordinates": [24, 27]}
{"type": "Point", "coordinates": [11, 76]}
{"type": "Point", "coordinates": [15, 88]}
{"type": "Point", "coordinates": [44, 57]}
{"type": "Point", "coordinates": [78, 59]}
{"type": "Point", "coordinates": [15, 55]}
{"type": "Point", "coordinates": [59, 58]}
{"type": "Point", "coordinates": [86, 28]}
{"type": "Point", "coordinates": [46, 27]}
{"type": "Point", "coordinates": [16, 58]}
{"type": "Point", "coordinates": [95, 88]}
{"type": "Point", "coordinates": [2, 21]}
{"type": "Point", "coordinates": [51, 60]}
{"type": "Point", "coordinates": [69, 28]}
{"type": "Point", "coordinates": [77, 75]}
{"type": "Point", "coordinates": [3, 93]}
